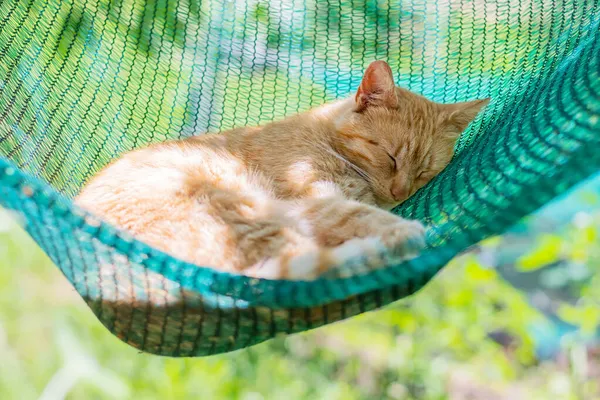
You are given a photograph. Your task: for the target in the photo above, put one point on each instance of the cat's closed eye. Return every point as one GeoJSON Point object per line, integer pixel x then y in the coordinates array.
{"type": "Point", "coordinates": [394, 163]}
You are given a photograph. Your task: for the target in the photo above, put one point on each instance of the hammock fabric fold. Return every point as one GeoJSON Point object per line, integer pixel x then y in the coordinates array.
{"type": "Point", "coordinates": [82, 81]}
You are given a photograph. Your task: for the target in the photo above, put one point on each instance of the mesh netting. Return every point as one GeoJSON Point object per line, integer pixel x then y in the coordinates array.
{"type": "Point", "coordinates": [82, 81]}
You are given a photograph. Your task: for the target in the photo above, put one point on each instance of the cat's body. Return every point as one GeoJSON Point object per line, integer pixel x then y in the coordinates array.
{"type": "Point", "coordinates": [291, 199]}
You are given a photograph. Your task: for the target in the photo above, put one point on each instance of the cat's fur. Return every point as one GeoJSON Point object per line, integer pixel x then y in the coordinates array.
{"type": "Point", "coordinates": [293, 198]}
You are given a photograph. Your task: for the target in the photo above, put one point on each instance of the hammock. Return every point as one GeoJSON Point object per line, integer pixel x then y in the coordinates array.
{"type": "Point", "coordinates": [82, 81]}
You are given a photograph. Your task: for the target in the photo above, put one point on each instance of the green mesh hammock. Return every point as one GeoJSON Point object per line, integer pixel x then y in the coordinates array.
{"type": "Point", "coordinates": [82, 81]}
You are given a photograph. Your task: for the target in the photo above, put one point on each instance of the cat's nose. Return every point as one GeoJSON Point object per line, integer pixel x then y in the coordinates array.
{"type": "Point", "coordinates": [399, 192]}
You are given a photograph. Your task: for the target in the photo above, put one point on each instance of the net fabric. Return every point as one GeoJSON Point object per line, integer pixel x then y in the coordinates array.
{"type": "Point", "coordinates": [82, 81]}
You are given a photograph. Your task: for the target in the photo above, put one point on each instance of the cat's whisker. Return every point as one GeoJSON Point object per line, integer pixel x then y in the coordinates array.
{"type": "Point", "coordinates": [361, 172]}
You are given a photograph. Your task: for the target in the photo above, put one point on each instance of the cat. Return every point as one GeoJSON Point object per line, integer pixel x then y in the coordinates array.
{"type": "Point", "coordinates": [293, 199]}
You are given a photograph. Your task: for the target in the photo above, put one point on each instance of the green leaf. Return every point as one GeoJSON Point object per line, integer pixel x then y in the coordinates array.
{"type": "Point", "coordinates": [586, 317]}
{"type": "Point", "coordinates": [477, 272]}
{"type": "Point", "coordinates": [547, 251]}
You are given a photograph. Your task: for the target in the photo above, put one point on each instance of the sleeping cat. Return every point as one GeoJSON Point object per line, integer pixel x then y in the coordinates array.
{"type": "Point", "coordinates": [293, 199]}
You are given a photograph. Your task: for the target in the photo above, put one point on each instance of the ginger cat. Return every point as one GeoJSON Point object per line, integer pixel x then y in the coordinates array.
{"type": "Point", "coordinates": [293, 199]}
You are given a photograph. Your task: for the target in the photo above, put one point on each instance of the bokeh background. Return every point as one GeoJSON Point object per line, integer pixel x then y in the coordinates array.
{"type": "Point", "coordinates": [517, 317]}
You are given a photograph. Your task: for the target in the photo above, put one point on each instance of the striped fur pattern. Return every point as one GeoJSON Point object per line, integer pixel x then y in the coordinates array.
{"type": "Point", "coordinates": [293, 199]}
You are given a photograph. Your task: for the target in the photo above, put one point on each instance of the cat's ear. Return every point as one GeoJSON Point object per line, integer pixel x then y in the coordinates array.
{"type": "Point", "coordinates": [377, 87]}
{"type": "Point", "coordinates": [460, 115]}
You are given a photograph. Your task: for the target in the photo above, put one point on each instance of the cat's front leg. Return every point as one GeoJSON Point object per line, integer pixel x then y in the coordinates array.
{"type": "Point", "coordinates": [355, 229]}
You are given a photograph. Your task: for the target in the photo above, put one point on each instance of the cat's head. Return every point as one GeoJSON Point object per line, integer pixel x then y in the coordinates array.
{"type": "Point", "coordinates": [400, 140]}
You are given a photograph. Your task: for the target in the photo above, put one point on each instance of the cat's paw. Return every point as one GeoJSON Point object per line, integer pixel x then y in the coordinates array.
{"type": "Point", "coordinates": [405, 238]}
{"type": "Point", "coordinates": [402, 240]}
{"type": "Point", "coordinates": [356, 256]}
{"type": "Point", "coordinates": [399, 235]}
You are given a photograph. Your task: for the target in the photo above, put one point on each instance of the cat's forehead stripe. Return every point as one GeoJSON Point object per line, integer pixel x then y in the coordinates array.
{"type": "Point", "coordinates": [352, 135]}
